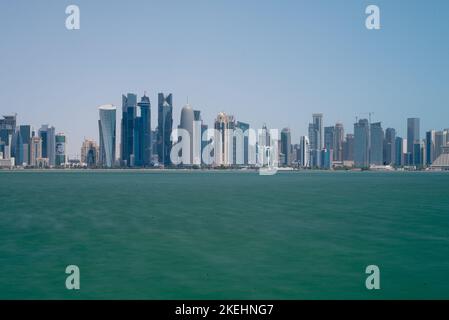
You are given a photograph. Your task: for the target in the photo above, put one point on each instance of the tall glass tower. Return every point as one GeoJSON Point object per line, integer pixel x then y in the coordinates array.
{"type": "Point", "coordinates": [361, 143]}
{"type": "Point", "coordinates": [144, 132]}
{"type": "Point", "coordinates": [165, 125]}
{"type": "Point", "coordinates": [376, 144]}
{"type": "Point", "coordinates": [106, 126]}
{"type": "Point", "coordinates": [129, 106]}
{"type": "Point", "coordinates": [413, 134]}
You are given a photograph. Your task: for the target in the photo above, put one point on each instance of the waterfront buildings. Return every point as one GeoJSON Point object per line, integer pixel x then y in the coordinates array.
{"type": "Point", "coordinates": [348, 148]}
{"type": "Point", "coordinates": [361, 143]}
{"type": "Point", "coordinates": [23, 143]}
{"type": "Point", "coordinates": [35, 150]}
{"type": "Point", "coordinates": [286, 147]}
{"type": "Point", "coordinates": [165, 125]}
{"type": "Point", "coordinates": [376, 147]}
{"type": "Point", "coordinates": [339, 136]}
{"type": "Point", "coordinates": [413, 136]}
{"type": "Point", "coordinates": [60, 145]}
{"type": "Point", "coordinates": [329, 138]}
{"type": "Point", "coordinates": [304, 146]}
{"type": "Point", "coordinates": [48, 138]}
{"type": "Point", "coordinates": [107, 133]}
{"type": "Point", "coordinates": [7, 129]}
{"type": "Point", "coordinates": [238, 147]}
{"type": "Point", "coordinates": [390, 146]}
{"type": "Point", "coordinates": [90, 153]}
{"type": "Point", "coordinates": [224, 126]}
{"type": "Point", "coordinates": [144, 140]}
{"type": "Point", "coordinates": [187, 124]}
{"type": "Point", "coordinates": [399, 151]}
{"type": "Point", "coordinates": [430, 147]}
{"type": "Point", "coordinates": [316, 138]}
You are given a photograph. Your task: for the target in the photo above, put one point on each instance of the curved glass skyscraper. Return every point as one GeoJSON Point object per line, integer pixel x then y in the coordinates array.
{"type": "Point", "coordinates": [106, 126]}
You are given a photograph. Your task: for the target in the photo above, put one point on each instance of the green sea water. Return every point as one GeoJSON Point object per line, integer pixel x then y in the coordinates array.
{"type": "Point", "coordinates": [223, 235]}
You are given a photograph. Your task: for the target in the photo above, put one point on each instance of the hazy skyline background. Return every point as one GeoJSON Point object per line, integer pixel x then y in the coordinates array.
{"type": "Point", "coordinates": [273, 62]}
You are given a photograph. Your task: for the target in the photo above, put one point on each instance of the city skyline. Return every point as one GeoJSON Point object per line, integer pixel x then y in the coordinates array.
{"type": "Point", "coordinates": [141, 145]}
{"type": "Point", "coordinates": [277, 61]}
{"type": "Point", "coordinates": [154, 113]}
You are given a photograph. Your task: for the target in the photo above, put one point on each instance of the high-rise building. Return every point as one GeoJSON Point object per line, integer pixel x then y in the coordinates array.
{"type": "Point", "coordinates": [318, 124]}
{"type": "Point", "coordinates": [144, 141]}
{"type": "Point", "coordinates": [390, 146]}
{"type": "Point", "coordinates": [430, 147]}
{"type": "Point", "coordinates": [361, 143]}
{"type": "Point", "coordinates": [48, 137]}
{"type": "Point", "coordinates": [224, 126]}
{"type": "Point", "coordinates": [90, 153]}
{"type": "Point", "coordinates": [60, 145]}
{"type": "Point", "coordinates": [35, 150]}
{"type": "Point", "coordinates": [136, 142]}
{"type": "Point", "coordinates": [23, 145]}
{"type": "Point", "coordinates": [197, 150]}
{"type": "Point", "coordinates": [286, 146]}
{"type": "Point", "coordinates": [376, 144]}
{"type": "Point", "coordinates": [187, 124]}
{"type": "Point", "coordinates": [305, 152]}
{"type": "Point", "coordinates": [326, 158]}
{"type": "Point", "coordinates": [107, 133]}
{"type": "Point", "coordinates": [440, 142]}
{"type": "Point", "coordinates": [399, 151]}
{"type": "Point", "coordinates": [348, 148]}
{"type": "Point", "coordinates": [165, 125]}
{"type": "Point", "coordinates": [413, 135]}
{"type": "Point", "coordinates": [316, 138]}
{"type": "Point", "coordinates": [129, 112]}
{"type": "Point", "coordinates": [7, 131]}
{"type": "Point", "coordinates": [418, 148]}
{"type": "Point", "coordinates": [244, 127]}
{"type": "Point", "coordinates": [339, 137]}
{"type": "Point", "coordinates": [329, 138]}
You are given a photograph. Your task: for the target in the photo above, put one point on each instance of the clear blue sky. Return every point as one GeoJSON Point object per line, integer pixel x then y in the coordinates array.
{"type": "Point", "coordinates": [274, 61]}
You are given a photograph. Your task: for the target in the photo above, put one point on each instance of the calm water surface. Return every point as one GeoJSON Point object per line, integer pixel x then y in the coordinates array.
{"type": "Point", "coordinates": [223, 235]}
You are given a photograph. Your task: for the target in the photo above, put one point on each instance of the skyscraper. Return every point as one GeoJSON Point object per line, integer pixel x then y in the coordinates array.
{"type": "Point", "coordinates": [413, 134]}
{"type": "Point", "coordinates": [286, 146]}
{"type": "Point", "coordinates": [329, 138]}
{"type": "Point", "coordinates": [390, 146]}
{"type": "Point", "coordinates": [60, 156]}
{"type": "Point", "coordinates": [318, 124]}
{"type": "Point", "coordinates": [165, 125]}
{"type": "Point", "coordinates": [305, 152]}
{"type": "Point", "coordinates": [47, 135]}
{"type": "Point", "coordinates": [187, 118]}
{"type": "Point", "coordinates": [224, 125]}
{"type": "Point", "coordinates": [90, 153]}
{"type": "Point", "coordinates": [316, 137]}
{"type": "Point", "coordinates": [399, 152]}
{"type": "Point", "coordinates": [348, 148]}
{"type": "Point", "coordinates": [23, 145]}
{"type": "Point", "coordinates": [7, 130]}
{"type": "Point", "coordinates": [145, 145]}
{"type": "Point", "coordinates": [35, 150]}
{"type": "Point", "coordinates": [376, 144]}
{"type": "Point", "coordinates": [430, 147]}
{"type": "Point", "coordinates": [339, 137]}
{"type": "Point", "coordinates": [361, 143]}
{"type": "Point", "coordinates": [440, 142]}
{"type": "Point", "coordinates": [129, 111]}
{"type": "Point", "coordinates": [107, 133]}
{"type": "Point", "coordinates": [244, 127]}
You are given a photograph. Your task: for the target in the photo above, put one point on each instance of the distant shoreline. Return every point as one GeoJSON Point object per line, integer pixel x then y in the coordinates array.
{"type": "Point", "coordinates": [190, 170]}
